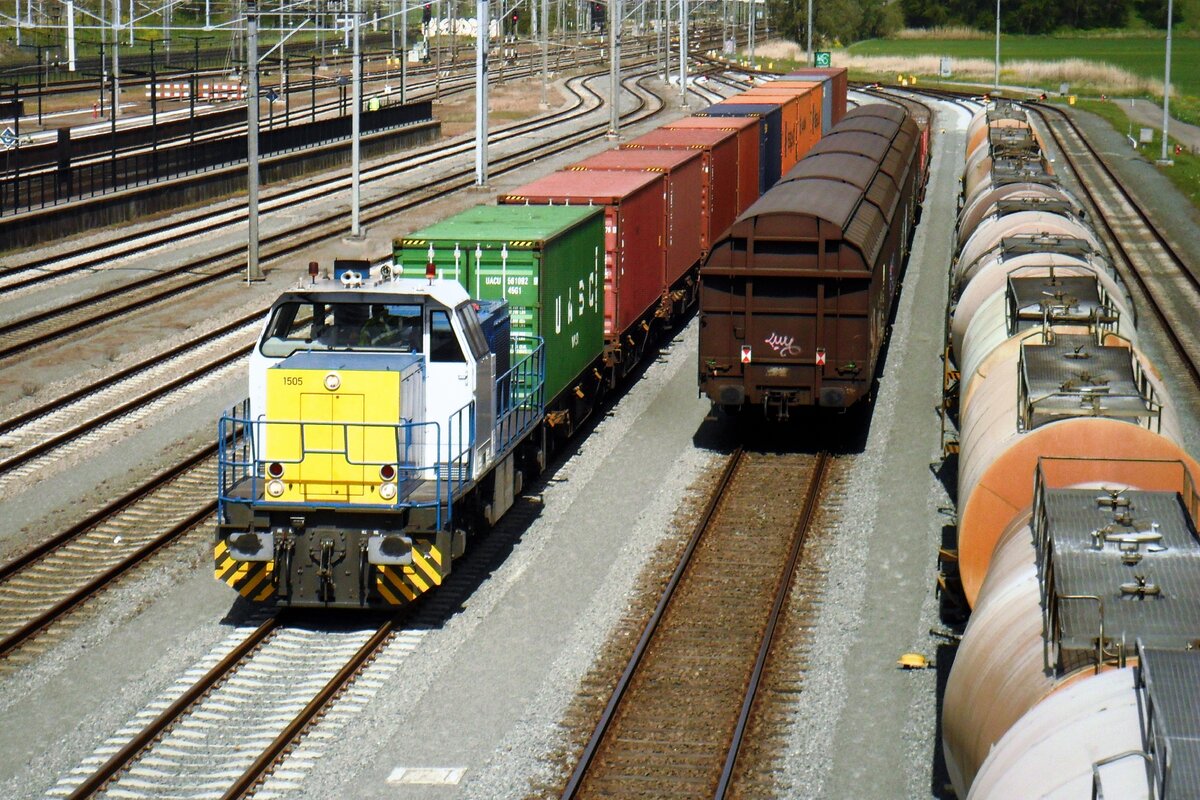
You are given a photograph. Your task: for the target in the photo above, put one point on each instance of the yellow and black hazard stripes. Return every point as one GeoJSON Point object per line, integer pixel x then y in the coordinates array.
{"type": "Point", "coordinates": [399, 584]}
{"type": "Point", "coordinates": [253, 580]}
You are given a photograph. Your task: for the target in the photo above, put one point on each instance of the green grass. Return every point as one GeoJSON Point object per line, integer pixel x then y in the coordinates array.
{"type": "Point", "coordinates": [1141, 55]}
{"type": "Point", "coordinates": [1185, 173]}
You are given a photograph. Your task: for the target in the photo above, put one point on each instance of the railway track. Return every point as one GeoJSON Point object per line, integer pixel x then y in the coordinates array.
{"type": "Point", "coordinates": [1161, 271]}
{"type": "Point", "coordinates": [678, 718]}
{"type": "Point", "coordinates": [34, 272]}
{"type": "Point", "coordinates": [47, 583]}
{"type": "Point", "coordinates": [80, 315]}
{"type": "Point", "coordinates": [226, 727]}
{"type": "Point", "coordinates": [26, 274]}
{"type": "Point", "coordinates": [455, 79]}
{"type": "Point", "coordinates": [76, 420]}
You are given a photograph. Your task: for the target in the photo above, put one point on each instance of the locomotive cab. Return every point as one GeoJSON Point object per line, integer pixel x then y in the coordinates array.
{"type": "Point", "coordinates": [373, 409]}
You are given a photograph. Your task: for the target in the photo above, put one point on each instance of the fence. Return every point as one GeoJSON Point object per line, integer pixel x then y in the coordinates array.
{"type": "Point", "coordinates": [67, 181]}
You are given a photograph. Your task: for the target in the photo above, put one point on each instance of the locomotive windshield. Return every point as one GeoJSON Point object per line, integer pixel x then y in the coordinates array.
{"type": "Point", "coordinates": [318, 324]}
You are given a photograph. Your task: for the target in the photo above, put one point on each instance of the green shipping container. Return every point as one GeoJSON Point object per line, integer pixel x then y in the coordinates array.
{"type": "Point", "coordinates": [546, 261]}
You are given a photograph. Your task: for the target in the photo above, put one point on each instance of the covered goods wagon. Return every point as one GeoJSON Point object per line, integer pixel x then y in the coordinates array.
{"type": "Point", "coordinates": [795, 300]}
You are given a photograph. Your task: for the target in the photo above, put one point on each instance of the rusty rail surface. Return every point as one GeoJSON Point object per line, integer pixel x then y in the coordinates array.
{"type": "Point", "coordinates": [678, 715]}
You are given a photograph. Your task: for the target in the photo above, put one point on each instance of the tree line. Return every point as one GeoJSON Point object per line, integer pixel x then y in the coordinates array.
{"type": "Point", "coordinates": [846, 21]}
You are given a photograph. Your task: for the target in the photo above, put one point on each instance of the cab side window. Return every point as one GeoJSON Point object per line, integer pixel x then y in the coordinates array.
{"type": "Point", "coordinates": [443, 344]}
{"type": "Point", "coordinates": [475, 338]}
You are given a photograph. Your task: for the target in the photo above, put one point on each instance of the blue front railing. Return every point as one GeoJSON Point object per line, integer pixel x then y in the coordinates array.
{"type": "Point", "coordinates": [427, 455]}
{"type": "Point", "coordinates": [520, 393]}
{"type": "Point", "coordinates": [246, 447]}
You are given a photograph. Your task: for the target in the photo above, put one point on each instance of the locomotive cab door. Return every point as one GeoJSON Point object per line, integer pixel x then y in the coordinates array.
{"type": "Point", "coordinates": [450, 380]}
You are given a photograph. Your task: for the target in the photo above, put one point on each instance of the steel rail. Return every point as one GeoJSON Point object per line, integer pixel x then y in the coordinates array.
{"type": "Point", "coordinates": [59, 402]}
{"type": "Point", "coordinates": [781, 593]}
{"type": "Point", "coordinates": [294, 241]}
{"type": "Point", "coordinates": [118, 410]}
{"type": "Point", "coordinates": [402, 162]}
{"type": "Point", "coordinates": [610, 710]}
{"type": "Point", "coordinates": [99, 582]}
{"type": "Point", "coordinates": [279, 747]}
{"type": "Point", "coordinates": [122, 758]}
{"type": "Point", "coordinates": [110, 509]}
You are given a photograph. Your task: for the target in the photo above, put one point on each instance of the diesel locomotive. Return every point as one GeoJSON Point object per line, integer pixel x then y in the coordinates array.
{"type": "Point", "coordinates": [386, 418]}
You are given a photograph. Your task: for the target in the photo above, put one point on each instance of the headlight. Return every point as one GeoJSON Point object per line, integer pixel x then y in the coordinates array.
{"type": "Point", "coordinates": [387, 491]}
{"type": "Point", "coordinates": [275, 488]}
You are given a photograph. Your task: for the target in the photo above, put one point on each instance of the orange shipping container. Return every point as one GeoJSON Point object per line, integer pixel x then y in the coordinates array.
{"type": "Point", "coordinates": [801, 121]}
{"type": "Point", "coordinates": [787, 86]}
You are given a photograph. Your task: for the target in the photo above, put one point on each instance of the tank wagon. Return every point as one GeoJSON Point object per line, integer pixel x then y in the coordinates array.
{"type": "Point", "coordinates": [1077, 508]}
{"type": "Point", "coordinates": [795, 300]}
{"type": "Point", "coordinates": [393, 412]}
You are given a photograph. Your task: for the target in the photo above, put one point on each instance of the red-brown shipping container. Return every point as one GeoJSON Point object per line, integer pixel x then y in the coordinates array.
{"type": "Point", "coordinates": [801, 121]}
{"type": "Point", "coordinates": [837, 75]}
{"type": "Point", "coordinates": [635, 220]}
{"type": "Point", "coordinates": [720, 158]}
{"type": "Point", "coordinates": [747, 133]}
{"type": "Point", "coordinates": [685, 209]}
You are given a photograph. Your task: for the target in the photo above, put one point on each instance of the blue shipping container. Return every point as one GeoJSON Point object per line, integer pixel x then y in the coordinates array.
{"type": "Point", "coordinates": [770, 150]}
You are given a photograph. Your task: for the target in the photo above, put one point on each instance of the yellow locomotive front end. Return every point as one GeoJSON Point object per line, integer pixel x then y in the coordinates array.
{"type": "Point", "coordinates": [331, 484]}
{"type": "Point", "coordinates": [372, 441]}
{"type": "Point", "coordinates": [329, 433]}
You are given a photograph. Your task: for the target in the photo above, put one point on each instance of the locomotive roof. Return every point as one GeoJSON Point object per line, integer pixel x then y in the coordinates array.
{"type": "Point", "coordinates": [448, 293]}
